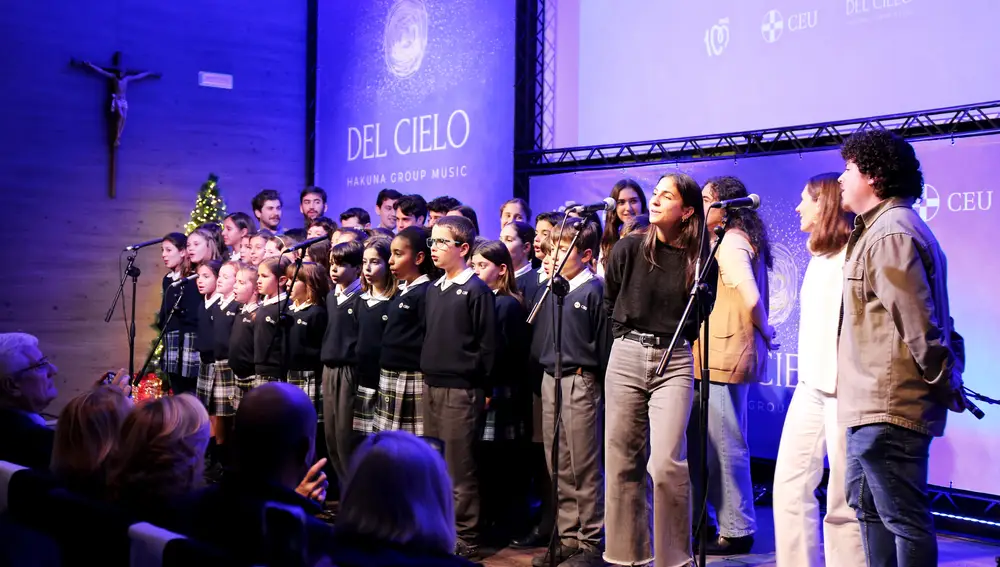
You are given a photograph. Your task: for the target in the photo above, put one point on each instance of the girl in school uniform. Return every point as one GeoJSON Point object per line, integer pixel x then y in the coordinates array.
{"type": "Point", "coordinates": [305, 334]}
{"type": "Point", "coordinates": [268, 328]}
{"type": "Point", "coordinates": [180, 362]}
{"type": "Point", "coordinates": [400, 382]}
{"type": "Point", "coordinates": [508, 407]}
{"type": "Point", "coordinates": [207, 282]}
{"type": "Point", "coordinates": [241, 352]}
{"type": "Point", "coordinates": [236, 227]}
{"type": "Point", "coordinates": [519, 237]}
{"type": "Point", "coordinates": [202, 246]}
{"type": "Point", "coordinates": [379, 286]}
{"type": "Point", "coordinates": [220, 403]}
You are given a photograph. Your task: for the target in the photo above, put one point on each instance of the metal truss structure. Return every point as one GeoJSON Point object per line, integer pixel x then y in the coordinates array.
{"type": "Point", "coordinates": [954, 122]}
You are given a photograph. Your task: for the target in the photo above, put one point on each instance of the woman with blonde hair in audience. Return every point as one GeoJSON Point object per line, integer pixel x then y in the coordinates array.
{"type": "Point", "coordinates": [161, 454]}
{"type": "Point", "coordinates": [397, 505]}
{"type": "Point", "coordinates": [87, 434]}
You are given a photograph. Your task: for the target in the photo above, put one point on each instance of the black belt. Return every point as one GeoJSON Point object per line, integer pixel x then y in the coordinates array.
{"type": "Point", "coordinates": [647, 340]}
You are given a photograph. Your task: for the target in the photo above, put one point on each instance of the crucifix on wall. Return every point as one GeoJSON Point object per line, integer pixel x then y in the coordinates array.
{"type": "Point", "coordinates": [118, 79]}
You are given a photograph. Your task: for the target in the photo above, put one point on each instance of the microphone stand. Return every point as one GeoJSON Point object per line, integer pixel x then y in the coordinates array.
{"type": "Point", "coordinates": [130, 272]}
{"type": "Point", "coordinates": [159, 339]}
{"type": "Point", "coordinates": [559, 287]}
{"type": "Point", "coordinates": [700, 291]}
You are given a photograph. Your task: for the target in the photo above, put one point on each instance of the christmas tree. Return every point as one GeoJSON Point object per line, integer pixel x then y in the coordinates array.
{"type": "Point", "coordinates": [208, 206]}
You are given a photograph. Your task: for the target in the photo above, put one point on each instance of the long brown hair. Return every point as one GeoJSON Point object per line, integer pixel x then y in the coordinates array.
{"type": "Point", "coordinates": [497, 253]}
{"type": "Point", "coordinates": [316, 279]}
{"type": "Point", "coordinates": [180, 242]}
{"type": "Point", "coordinates": [833, 224]}
{"type": "Point", "coordinates": [692, 230]}
{"type": "Point", "coordinates": [87, 434]}
{"type": "Point", "coordinates": [382, 245]}
{"type": "Point", "coordinates": [612, 223]}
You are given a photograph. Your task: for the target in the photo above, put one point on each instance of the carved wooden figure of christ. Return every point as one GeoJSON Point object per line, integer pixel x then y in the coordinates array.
{"type": "Point", "coordinates": [118, 78]}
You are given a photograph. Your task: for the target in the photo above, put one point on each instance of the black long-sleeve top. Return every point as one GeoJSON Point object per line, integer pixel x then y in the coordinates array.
{"type": "Point", "coordinates": [269, 338]}
{"type": "Point", "coordinates": [373, 314]}
{"type": "Point", "coordinates": [586, 337]}
{"type": "Point", "coordinates": [305, 337]}
{"type": "Point", "coordinates": [222, 326]}
{"type": "Point", "coordinates": [404, 331]}
{"type": "Point", "coordinates": [513, 343]}
{"type": "Point", "coordinates": [204, 341]}
{"type": "Point", "coordinates": [340, 340]}
{"type": "Point", "coordinates": [185, 319]}
{"type": "Point", "coordinates": [645, 298]}
{"type": "Point", "coordinates": [530, 287]}
{"type": "Point", "coordinates": [241, 342]}
{"type": "Point", "coordinates": [461, 334]}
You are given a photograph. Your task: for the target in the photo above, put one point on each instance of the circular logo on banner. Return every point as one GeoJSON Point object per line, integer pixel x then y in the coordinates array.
{"type": "Point", "coordinates": [929, 204]}
{"type": "Point", "coordinates": [405, 39]}
{"type": "Point", "coordinates": [772, 26]}
{"type": "Point", "coordinates": [783, 284]}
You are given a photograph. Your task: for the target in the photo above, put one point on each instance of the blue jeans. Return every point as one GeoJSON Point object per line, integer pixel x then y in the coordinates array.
{"type": "Point", "coordinates": [887, 488]}
{"type": "Point", "coordinates": [730, 488]}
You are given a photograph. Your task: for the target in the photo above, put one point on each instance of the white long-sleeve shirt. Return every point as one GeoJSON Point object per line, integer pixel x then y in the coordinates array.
{"type": "Point", "coordinates": [819, 316]}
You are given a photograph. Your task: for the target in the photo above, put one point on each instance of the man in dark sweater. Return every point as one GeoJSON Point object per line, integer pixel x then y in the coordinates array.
{"type": "Point", "coordinates": [339, 356]}
{"type": "Point", "coordinates": [586, 343]}
{"type": "Point", "coordinates": [457, 361]}
{"type": "Point", "coordinates": [26, 389]}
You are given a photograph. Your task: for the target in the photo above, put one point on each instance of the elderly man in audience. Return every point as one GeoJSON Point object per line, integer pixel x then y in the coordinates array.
{"type": "Point", "coordinates": [275, 439]}
{"type": "Point", "coordinates": [26, 389]}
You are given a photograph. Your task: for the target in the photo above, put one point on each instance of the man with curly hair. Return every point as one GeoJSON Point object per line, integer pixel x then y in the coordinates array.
{"type": "Point", "coordinates": [898, 373]}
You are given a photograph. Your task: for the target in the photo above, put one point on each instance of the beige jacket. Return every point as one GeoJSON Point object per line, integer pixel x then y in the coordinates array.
{"type": "Point", "coordinates": [895, 361]}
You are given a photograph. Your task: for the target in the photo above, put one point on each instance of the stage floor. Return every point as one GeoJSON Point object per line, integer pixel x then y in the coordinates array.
{"type": "Point", "coordinates": [953, 551]}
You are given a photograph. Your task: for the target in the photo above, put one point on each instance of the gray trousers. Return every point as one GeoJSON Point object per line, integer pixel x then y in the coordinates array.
{"type": "Point", "coordinates": [647, 419]}
{"type": "Point", "coordinates": [580, 508]}
{"type": "Point", "coordinates": [339, 390]}
{"type": "Point", "coordinates": [455, 416]}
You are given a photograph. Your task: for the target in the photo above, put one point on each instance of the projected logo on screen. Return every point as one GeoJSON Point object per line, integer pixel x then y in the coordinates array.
{"type": "Point", "coordinates": [774, 24]}
{"type": "Point", "coordinates": [717, 38]}
{"type": "Point", "coordinates": [783, 284]}
{"type": "Point", "coordinates": [930, 204]}
{"type": "Point", "coordinates": [404, 41]}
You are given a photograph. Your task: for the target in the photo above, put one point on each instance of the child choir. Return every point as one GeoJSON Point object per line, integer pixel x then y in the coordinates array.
{"type": "Point", "coordinates": [424, 330]}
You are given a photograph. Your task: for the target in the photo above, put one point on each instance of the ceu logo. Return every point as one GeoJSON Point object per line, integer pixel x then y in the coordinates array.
{"type": "Point", "coordinates": [929, 204]}
{"type": "Point", "coordinates": [404, 41]}
{"type": "Point", "coordinates": [773, 26]}
{"type": "Point", "coordinates": [717, 38]}
{"type": "Point", "coordinates": [783, 284]}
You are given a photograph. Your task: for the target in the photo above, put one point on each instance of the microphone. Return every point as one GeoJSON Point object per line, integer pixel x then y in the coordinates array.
{"type": "Point", "coordinates": [751, 201]}
{"type": "Point", "coordinates": [305, 244]}
{"type": "Point", "coordinates": [181, 281]}
{"type": "Point", "coordinates": [144, 244]}
{"type": "Point", "coordinates": [606, 205]}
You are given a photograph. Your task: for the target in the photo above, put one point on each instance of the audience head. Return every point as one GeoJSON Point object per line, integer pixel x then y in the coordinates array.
{"type": "Point", "coordinates": [384, 204]}
{"type": "Point", "coordinates": [87, 433]}
{"type": "Point", "coordinates": [25, 374]}
{"type": "Point", "coordinates": [822, 215]}
{"type": "Point", "coordinates": [267, 208]}
{"type": "Point", "coordinates": [439, 207]}
{"type": "Point", "coordinates": [162, 450]}
{"type": "Point", "coordinates": [355, 217]}
{"type": "Point", "coordinates": [398, 492]}
{"type": "Point", "coordinates": [411, 210]}
{"type": "Point", "coordinates": [275, 434]}
{"type": "Point", "coordinates": [312, 203]}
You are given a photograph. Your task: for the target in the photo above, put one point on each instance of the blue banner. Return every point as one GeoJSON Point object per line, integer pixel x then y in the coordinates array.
{"type": "Point", "coordinates": [417, 96]}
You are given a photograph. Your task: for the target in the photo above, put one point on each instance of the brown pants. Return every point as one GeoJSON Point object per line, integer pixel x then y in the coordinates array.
{"type": "Point", "coordinates": [580, 508]}
{"type": "Point", "coordinates": [455, 416]}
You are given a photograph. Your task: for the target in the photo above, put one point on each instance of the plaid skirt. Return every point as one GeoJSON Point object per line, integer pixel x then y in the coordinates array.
{"type": "Point", "coordinates": [244, 385]}
{"type": "Point", "coordinates": [179, 355]}
{"type": "Point", "coordinates": [397, 405]}
{"type": "Point", "coordinates": [206, 384]}
{"type": "Point", "coordinates": [308, 381]}
{"type": "Point", "coordinates": [364, 410]}
{"type": "Point", "coordinates": [224, 389]}
{"type": "Point", "coordinates": [508, 417]}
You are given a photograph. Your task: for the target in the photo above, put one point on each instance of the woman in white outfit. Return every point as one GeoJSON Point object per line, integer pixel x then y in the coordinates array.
{"type": "Point", "coordinates": [811, 431]}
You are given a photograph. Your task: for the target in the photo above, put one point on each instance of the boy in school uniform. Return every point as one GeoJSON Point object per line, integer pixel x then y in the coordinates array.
{"type": "Point", "coordinates": [339, 356]}
{"type": "Point", "coordinates": [457, 360]}
{"type": "Point", "coordinates": [586, 344]}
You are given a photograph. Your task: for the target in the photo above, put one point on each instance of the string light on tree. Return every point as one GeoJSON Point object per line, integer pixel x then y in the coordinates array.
{"type": "Point", "coordinates": [208, 206]}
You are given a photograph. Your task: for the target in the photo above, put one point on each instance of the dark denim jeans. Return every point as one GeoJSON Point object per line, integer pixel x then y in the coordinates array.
{"type": "Point", "coordinates": [887, 488]}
